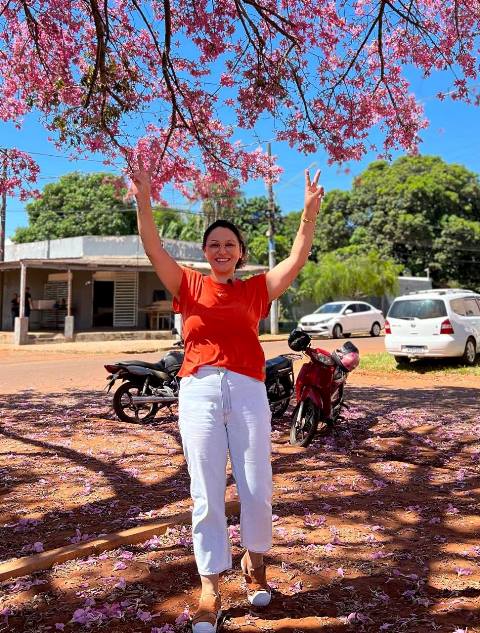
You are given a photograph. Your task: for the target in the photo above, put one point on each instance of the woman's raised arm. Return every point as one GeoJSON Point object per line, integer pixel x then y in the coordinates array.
{"type": "Point", "coordinates": [282, 275]}
{"type": "Point", "coordinates": [167, 269]}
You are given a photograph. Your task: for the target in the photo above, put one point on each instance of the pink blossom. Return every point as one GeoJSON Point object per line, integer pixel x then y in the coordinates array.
{"type": "Point", "coordinates": [119, 565]}
{"type": "Point", "coordinates": [121, 584]}
{"type": "Point", "coordinates": [297, 587]}
{"type": "Point", "coordinates": [184, 616]}
{"type": "Point", "coordinates": [144, 616]}
{"type": "Point", "coordinates": [463, 571]}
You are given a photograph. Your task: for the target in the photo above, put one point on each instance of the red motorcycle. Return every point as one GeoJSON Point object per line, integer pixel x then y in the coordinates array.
{"type": "Point", "coordinates": [319, 387]}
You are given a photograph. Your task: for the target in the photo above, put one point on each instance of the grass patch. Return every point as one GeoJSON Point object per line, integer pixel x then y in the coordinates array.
{"type": "Point", "coordinates": [386, 363]}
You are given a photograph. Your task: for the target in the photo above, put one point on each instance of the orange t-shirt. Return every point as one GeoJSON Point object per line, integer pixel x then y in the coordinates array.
{"type": "Point", "coordinates": [220, 323]}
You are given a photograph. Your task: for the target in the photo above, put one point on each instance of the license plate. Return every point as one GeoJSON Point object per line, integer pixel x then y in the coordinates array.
{"type": "Point", "coordinates": [414, 349]}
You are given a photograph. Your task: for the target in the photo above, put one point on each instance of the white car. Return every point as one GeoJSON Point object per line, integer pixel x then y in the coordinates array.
{"type": "Point", "coordinates": [434, 323]}
{"type": "Point", "coordinates": [342, 318]}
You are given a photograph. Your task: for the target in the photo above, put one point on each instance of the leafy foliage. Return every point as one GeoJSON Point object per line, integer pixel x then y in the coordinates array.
{"type": "Point", "coordinates": [457, 253]}
{"type": "Point", "coordinates": [348, 273]}
{"type": "Point", "coordinates": [403, 209]}
{"type": "Point", "coordinates": [79, 204]}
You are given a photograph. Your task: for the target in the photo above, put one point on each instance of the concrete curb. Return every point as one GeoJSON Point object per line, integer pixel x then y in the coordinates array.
{"type": "Point", "coordinates": [45, 560]}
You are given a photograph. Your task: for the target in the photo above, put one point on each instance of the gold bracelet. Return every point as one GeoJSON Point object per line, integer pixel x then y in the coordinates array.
{"type": "Point", "coordinates": [307, 220]}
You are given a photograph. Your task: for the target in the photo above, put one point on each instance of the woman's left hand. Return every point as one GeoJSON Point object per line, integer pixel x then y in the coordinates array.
{"type": "Point", "coordinates": [313, 195]}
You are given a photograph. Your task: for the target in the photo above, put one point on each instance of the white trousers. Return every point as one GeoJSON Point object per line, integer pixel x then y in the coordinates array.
{"type": "Point", "coordinates": [220, 412]}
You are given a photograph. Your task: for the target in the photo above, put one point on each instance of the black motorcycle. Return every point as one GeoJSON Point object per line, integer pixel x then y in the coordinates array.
{"type": "Point", "coordinates": [149, 387]}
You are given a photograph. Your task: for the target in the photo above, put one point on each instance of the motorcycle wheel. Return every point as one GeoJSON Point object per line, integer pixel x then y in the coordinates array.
{"type": "Point", "coordinates": [304, 424]}
{"type": "Point", "coordinates": [278, 392]}
{"type": "Point", "coordinates": [124, 408]}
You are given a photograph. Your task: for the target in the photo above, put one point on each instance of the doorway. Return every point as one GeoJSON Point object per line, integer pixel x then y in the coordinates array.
{"type": "Point", "coordinates": [103, 293]}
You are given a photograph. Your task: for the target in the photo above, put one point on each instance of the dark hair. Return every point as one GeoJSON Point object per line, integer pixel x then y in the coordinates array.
{"type": "Point", "coordinates": [225, 224]}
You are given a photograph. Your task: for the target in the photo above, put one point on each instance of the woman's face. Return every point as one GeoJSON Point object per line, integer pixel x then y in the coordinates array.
{"type": "Point", "coordinates": [222, 250]}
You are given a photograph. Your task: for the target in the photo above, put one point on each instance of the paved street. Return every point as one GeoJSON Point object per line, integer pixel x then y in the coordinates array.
{"type": "Point", "coordinates": [55, 372]}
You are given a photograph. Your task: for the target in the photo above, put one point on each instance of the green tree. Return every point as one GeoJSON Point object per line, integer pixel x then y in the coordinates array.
{"type": "Point", "coordinates": [346, 273]}
{"type": "Point", "coordinates": [79, 204]}
{"type": "Point", "coordinates": [178, 225]}
{"type": "Point", "coordinates": [457, 253]}
{"type": "Point", "coordinates": [400, 208]}
{"type": "Point", "coordinates": [334, 227]}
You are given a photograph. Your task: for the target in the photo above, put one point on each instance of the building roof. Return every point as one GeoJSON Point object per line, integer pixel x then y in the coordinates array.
{"type": "Point", "coordinates": [97, 252]}
{"type": "Point", "coordinates": [126, 264]}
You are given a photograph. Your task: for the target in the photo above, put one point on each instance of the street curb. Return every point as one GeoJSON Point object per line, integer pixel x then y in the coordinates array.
{"type": "Point", "coordinates": [29, 564]}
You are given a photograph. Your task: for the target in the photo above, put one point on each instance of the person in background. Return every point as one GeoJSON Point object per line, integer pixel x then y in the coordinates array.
{"type": "Point", "coordinates": [15, 308]}
{"type": "Point", "coordinates": [28, 302]}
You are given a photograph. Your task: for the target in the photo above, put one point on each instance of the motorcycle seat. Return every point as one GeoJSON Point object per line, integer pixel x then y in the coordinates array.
{"type": "Point", "coordinates": [141, 363]}
{"type": "Point", "coordinates": [278, 363]}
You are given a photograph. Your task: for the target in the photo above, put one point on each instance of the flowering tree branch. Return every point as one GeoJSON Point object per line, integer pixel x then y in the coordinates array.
{"type": "Point", "coordinates": [174, 79]}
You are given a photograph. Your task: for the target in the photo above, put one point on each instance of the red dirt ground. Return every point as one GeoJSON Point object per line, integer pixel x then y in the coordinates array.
{"type": "Point", "coordinates": [376, 527]}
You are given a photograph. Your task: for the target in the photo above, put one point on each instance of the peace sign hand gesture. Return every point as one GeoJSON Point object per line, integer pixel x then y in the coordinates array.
{"type": "Point", "coordinates": [140, 185]}
{"type": "Point", "coordinates": [313, 195]}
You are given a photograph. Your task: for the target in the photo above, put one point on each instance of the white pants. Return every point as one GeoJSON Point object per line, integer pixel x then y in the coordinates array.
{"type": "Point", "coordinates": [222, 411]}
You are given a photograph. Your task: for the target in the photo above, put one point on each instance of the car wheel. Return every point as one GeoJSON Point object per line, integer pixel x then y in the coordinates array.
{"type": "Point", "coordinates": [337, 331]}
{"type": "Point", "coordinates": [376, 329]}
{"type": "Point", "coordinates": [470, 353]}
{"type": "Point", "coordinates": [402, 361]}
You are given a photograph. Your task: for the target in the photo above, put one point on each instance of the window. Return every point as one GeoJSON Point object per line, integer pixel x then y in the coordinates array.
{"type": "Point", "coordinates": [352, 307]}
{"type": "Point", "coordinates": [458, 306]}
{"type": "Point", "coordinates": [329, 308]}
{"type": "Point", "coordinates": [363, 307]}
{"type": "Point", "coordinates": [471, 307]}
{"type": "Point", "coordinates": [417, 309]}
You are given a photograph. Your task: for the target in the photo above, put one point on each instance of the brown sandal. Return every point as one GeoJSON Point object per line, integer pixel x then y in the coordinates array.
{"type": "Point", "coordinates": [259, 593]}
{"type": "Point", "coordinates": [208, 613]}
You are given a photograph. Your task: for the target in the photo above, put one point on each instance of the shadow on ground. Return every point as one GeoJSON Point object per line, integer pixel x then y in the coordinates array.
{"type": "Point", "coordinates": [375, 528]}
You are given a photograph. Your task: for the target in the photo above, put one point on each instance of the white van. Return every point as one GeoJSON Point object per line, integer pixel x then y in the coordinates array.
{"type": "Point", "coordinates": [434, 324]}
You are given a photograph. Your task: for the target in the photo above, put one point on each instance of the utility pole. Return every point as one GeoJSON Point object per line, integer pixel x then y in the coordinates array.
{"type": "Point", "coordinates": [3, 213]}
{"type": "Point", "coordinates": [271, 246]}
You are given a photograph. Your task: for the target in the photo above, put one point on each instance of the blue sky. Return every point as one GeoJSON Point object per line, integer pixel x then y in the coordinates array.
{"type": "Point", "coordinates": [453, 134]}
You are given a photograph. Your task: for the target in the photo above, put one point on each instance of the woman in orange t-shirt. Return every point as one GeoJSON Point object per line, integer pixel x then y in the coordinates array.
{"type": "Point", "coordinates": [223, 406]}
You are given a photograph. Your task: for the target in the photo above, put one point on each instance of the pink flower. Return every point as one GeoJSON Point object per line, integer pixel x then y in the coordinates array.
{"type": "Point", "coordinates": [184, 616]}
{"type": "Point", "coordinates": [297, 587]}
{"type": "Point", "coordinates": [37, 547]}
{"type": "Point", "coordinates": [121, 584]}
{"type": "Point", "coordinates": [144, 616]}
{"type": "Point", "coordinates": [119, 565]}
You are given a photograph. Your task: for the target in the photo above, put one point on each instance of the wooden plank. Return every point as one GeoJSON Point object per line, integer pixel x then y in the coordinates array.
{"type": "Point", "coordinates": [45, 560]}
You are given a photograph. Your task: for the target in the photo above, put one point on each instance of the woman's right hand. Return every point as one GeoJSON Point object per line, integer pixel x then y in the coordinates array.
{"type": "Point", "coordinates": [141, 181]}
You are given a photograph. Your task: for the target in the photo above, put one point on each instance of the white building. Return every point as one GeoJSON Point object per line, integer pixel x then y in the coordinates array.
{"type": "Point", "coordinates": [91, 282]}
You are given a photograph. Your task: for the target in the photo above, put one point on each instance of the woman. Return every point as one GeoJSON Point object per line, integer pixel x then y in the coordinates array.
{"type": "Point", "coordinates": [223, 405]}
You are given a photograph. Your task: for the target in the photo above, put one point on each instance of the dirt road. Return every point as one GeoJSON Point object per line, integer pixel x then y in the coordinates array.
{"type": "Point", "coordinates": [375, 527]}
{"type": "Point", "coordinates": [50, 371]}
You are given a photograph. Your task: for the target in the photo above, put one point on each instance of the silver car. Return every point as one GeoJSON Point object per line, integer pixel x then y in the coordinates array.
{"type": "Point", "coordinates": [343, 318]}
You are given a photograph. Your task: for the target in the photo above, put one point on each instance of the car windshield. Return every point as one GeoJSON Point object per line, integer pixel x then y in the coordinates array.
{"type": "Point", "coordinates": [418, 309]}
{"type": "Point", "coordinates": [329, 308]}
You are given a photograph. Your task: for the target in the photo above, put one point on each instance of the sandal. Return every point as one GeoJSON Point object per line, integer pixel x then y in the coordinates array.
{"type": "Point", "coordinates": [259, 593]}
{"type": "Point", "coordinates": [208, 613]}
